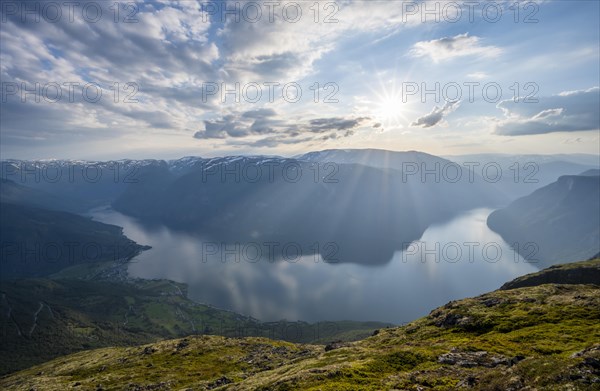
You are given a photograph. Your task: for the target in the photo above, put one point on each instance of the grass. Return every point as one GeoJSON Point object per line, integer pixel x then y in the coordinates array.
{"type": "Point", "coordinates": [544, 337]}
{"type": "Point", "coordinates": [86, 314]}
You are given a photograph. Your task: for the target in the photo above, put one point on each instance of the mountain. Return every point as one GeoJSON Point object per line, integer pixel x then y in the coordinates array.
{"type": "Point", "coordinates": [95, 305]}
{"type": "Point", "coordinates": [560, 221]}
{"type": "Point", "coordinates": [88, 184]}
{"type": "Point", "coordinates": [523, 174]}
{"type": "Point", "coordinates": [542, 337]}
{"type": "Point", "coordinates": [585, 272]}
{"type": "Point", "coordinates": [38, 242]}
{"type": "Point", "coordinates": [503, 159]}
{"type": "Point", "coordinates": [360, 213]}
{"type": "Point", "coordinates": [378, 158]}
{"type": "Point", "coordinates": [14, 193]}
{"type": "Point", "coordinates": [592, 172]}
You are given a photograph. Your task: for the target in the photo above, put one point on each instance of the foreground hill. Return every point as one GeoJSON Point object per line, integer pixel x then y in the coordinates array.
{"type": "Point", "coordinates": [560, 222]}
{"type": "Point", "coordinates": [41, 319]}
{"type": "Point", "coordinates": [539, 337]}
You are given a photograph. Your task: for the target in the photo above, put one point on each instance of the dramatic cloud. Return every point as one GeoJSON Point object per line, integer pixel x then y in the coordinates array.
{"type": "Point", "coordinates": [169, 51]}
{"type": "Point", "coordinates": [264, 122]}
{"type": "Point", "coordinates": [436, 115]}
{"type": "Point", "coordinates": [566, 112]}
{"type": "Point", "coordinates": [451, 47]}
{"type": "Point", "coordinates": [148, 74]}
{"type": "Point", "coordinates": [299, 33]}
{"type": "Point", "coordinates": [322, 125]}
{"type": "Point", "coordinates": [182, 57]}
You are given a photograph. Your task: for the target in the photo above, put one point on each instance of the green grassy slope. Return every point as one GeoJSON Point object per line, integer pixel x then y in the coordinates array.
{"type": "Point", "coordinates": [544, 337]}
{"type": "Point", "coordinates": [41, 319]}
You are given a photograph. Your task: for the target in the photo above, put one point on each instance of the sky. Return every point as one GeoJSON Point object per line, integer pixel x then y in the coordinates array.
{"type": "Point", "coordinates": [166, 79]}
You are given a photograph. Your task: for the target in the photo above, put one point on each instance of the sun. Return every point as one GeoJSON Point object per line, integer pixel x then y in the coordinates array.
{"type": "Point", "coordinates": [386, 102]}
{"type": "Point", "coordinates": [389, 109]}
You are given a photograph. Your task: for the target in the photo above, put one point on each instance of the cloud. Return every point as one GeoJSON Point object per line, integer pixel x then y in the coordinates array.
{"type": "Point", "coordinates": [283, 49]}
{"type": "Point", "coordinates": [577, 140]}
{"type": "Point", "coordinates": [569, 111]}
{"type": "Point", "coordinates": [266, 122]}
{"type": "Point", "coordinates": [322, 125]}
{"type": "Point", "coordinates": [548, 113]}
{"type": "Point", "coordinates": [259, 113]}
{"type": "Point", "coordinates": [166, 54]}
{"type": "Point", "coordinates": [450, 47]}
{"type": "Point", "coordinates": [436, 115]}
{"type": "Point", "coordinates": [175, 48]}
{"type": "Point", "coordinates": [170, 53]}
{"type": "Point", "coordinates": [227, 126]}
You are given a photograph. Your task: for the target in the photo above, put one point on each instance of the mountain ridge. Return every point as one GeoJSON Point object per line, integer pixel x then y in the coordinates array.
{"type": "Point", "coordinates": [560, 221]}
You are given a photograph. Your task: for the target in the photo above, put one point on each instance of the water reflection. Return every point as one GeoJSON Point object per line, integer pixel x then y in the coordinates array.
{"type": "Point", "coordinates": [457, 259]}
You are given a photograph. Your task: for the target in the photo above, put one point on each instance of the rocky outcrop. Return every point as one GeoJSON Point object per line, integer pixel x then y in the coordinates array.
{"type": "Point", "coordinates": [477, 359]}
{"type": "Point", "coordinates": [587, 272]}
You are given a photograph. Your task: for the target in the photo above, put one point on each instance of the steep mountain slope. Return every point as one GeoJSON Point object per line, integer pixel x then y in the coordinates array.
{"type": "Point", "coordinates": [14, 193]}
{"type": "Point", "coordinates": [559, 222]}
{"type": "Point", "coordinates": [88, 184]}
{"type": "Point", "coordinates": [38, 242]}
{"type": "Point", "coordinates": [540, 337]}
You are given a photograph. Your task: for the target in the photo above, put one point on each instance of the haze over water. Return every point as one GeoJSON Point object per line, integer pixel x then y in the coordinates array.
{"type": "Point", "coordinates": [469, 259]}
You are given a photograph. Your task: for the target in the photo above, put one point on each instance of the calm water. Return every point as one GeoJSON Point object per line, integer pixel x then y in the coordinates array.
{"type": "Point", "coordinates": [453, 260]}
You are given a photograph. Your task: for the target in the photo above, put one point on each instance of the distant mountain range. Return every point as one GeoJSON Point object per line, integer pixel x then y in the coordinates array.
{"type": "Point", "coordinates": [377, 158]}
{"type": "Point", "coordinates": [504, 158]}
{"type": "Point", "coordinates": [350, 210]}
{"type": "Point", "coordinates": [513, 176]}
{"type": "Point", "coordinates": [592, 172]}
{"type": "Point", "coordinates": [560, 221]}
{"type": "Point", "coordinates": [366, 212]}
{"type": "Point", "coordinates": [362, 204]}
{"type": "Point", "coordinates": [95, 183]}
